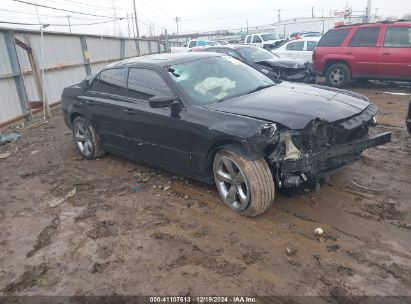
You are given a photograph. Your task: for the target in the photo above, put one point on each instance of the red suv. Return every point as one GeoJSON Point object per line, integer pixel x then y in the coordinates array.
{"type": "Point", "coordinates": [365, 51]}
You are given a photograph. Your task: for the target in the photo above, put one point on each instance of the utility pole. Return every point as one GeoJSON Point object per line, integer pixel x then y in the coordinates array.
{"type": "Point", "coordinates": [279, 15]}
{"type": "Point", "coordinates": [116, 25]}
{"type": "Point", "coordinates": [128, 27]}
{"type": "Point", "coordinates": [368, 11]}
{"type": "Point", "coordinates": [177, 20]}
{"type": "Point", "coordinates": [247, 26]}
{"type": "Point", "coordinates": [69, 24]}
{"type": "Point", "coordinates": [135, 19]}
{"type": "Point", "coordinates": [312, 12]}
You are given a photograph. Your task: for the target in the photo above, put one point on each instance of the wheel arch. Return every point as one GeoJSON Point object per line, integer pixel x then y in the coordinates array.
{"type": "Point", "coordinates": [73, 116]}
{"type": "Point", "coordinates": [330, 62]}
{"type": "Point", "coordinates": [230, 144]}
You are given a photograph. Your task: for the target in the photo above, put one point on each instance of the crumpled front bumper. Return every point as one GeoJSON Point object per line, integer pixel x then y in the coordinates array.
{"type": "Point", "coordinates": [312, 165]}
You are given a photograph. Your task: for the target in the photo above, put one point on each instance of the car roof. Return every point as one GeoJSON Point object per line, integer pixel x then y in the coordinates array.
{"type": "Point", "coordinates": [401, 21]}
{"type": "Point", "coordinates": [305, 39]}
{"type": "Point", "coordinates": [231, 46]}
{"type": "Point", "coordinates": [164, 59]}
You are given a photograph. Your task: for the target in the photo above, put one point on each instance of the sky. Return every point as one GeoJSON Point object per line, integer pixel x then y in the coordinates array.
{"type": "Point", "coordinates": [195, 16]}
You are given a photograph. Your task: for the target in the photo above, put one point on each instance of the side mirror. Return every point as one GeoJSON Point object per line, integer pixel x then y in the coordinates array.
{"type": "Point", "coordinates": [84, 84]}
{"type": "Point", "coordinates": [159, 101]}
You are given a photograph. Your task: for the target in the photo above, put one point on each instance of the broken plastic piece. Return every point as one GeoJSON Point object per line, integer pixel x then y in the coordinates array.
{"type": "Point", "coordinates": [9, 137]}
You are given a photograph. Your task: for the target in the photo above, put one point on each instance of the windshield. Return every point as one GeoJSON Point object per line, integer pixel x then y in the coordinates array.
{"type": "Point", "coordinates": [268, 37]}
{"type": "Point", "coordinates": [214, 79]}
{"type": "Point", "coordinates": [255, 54]}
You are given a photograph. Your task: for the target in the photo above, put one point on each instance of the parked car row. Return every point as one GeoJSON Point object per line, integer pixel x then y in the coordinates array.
{"type": "Point", "coordinates": [213, 118]}
{"type": "Point", "coordinates": [268, 63]}
{"type": "Point", "coordinates": [266, 41]}
{"type": "Point", "coordinates": [299, 49]}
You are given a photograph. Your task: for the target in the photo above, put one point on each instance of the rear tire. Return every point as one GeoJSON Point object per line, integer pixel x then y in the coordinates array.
{"type": "Point", "coordinates": [86, 139]}
{"type": "Point", "coordinates": [338, 75]}
{"type": "Point", "coordinates": [245, 186]}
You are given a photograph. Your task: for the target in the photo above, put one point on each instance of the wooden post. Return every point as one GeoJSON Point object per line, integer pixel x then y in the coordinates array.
{"type": "Point", "coordinates": [36, 73]}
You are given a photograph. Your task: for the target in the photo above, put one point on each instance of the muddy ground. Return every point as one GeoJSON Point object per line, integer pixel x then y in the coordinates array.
{"type": "Point", "coordinates": [69, 226]}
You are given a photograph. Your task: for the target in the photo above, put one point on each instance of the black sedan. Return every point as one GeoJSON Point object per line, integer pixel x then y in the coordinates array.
{"type": "Point", "coordinates": [215, 119]}
{"type": "Point", "coordinates": [273, 66]}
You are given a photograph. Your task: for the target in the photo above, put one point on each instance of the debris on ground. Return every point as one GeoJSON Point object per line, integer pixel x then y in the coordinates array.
{"type": "Point", "coordinates": [318, 232]}
{"type": "Point", "coordinates": [137, 187]}
{"type": "Point", "coordinates": [398, 93]}
{"type": "Point", "coordinates": [27, 173]}
{"type": "Point", "coordinates": [4, 138]}
{"type": "Point", "coordinates": [365, 188]}
{"type": "Point", "coordinates": [34, 152]}
{"type": "Point", "coordinates": [4, 155]}
{"type": "Point", "coordinates": [59, 200]}
{"type": "Point", "coordinates": [291, 251]}
{"type": "Point", "coordinates": [99, 267]}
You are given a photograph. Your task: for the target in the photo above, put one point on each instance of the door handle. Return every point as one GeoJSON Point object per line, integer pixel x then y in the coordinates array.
{"type": "Point", "coordinates": [89, 102]}
{"type": "Point", "coordinates": [385, 53]}
{"type": "Point", "coordinates": [129, 111]}
{"type": "Point", "coordinates": [348, 53]}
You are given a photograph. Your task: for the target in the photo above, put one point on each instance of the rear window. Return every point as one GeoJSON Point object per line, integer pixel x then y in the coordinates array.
{"type": "Point", "coordinates": [397, 36]}
{"type": "Point", "coordinates": [365, 37]}
{"type": "Point", "coordinates": [192, 44]}
{"type": "Point", "coordinates": [334, 38]}
{"type": "Point", "coordinates": [248, 39]}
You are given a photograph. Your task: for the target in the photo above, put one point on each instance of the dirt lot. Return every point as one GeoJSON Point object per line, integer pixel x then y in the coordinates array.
{"type": "Point", "coordinates": [104, 238]}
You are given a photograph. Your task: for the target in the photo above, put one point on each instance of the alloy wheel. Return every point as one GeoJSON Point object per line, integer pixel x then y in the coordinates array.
{"type": "Point", "coordinates": [83, 138]}
{"type": "Point", "coordinates": [337, 77]}
{"type": "Point", "coordinates": [232, 183]}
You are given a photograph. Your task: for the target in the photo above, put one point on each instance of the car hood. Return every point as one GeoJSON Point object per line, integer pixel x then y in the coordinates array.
{"type": "Point", "coordinates": [295, 105]}
{"type": "Point", "coordinates": [283, 63]}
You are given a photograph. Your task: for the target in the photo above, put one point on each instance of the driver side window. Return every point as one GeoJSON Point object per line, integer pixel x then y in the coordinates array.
{"type": "Point", "coordinates": [143, 84]}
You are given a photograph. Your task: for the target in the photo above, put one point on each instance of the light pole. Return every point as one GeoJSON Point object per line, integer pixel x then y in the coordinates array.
{"type": "Point", "coordinates": [177, 20]}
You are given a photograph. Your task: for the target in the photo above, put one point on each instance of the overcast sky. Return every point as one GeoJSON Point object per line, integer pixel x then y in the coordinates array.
{"type": "Point", "coordinates": [195, 15]}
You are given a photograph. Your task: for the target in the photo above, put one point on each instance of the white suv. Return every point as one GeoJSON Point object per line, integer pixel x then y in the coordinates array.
{"type": "Point", "coordinates": [265, 40]}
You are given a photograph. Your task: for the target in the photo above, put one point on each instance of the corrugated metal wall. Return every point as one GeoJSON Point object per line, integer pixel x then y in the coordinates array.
{"type": "Point", "coordinates": [9, 98]}
{"type": "Point", "coordinates": [66, 61]}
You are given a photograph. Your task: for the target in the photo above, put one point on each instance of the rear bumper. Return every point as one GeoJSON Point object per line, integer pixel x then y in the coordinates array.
{"type": "Point", "coordinates": [313, 165]}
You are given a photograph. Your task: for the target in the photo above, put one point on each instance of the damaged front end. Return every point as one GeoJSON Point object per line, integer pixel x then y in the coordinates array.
{"type": "Point", "coordinates": [286, 69]}
{"type": "Point", "coordinates": [310, 154]}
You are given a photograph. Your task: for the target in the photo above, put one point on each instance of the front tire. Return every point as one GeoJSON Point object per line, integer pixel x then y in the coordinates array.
{"type": "Point", "coordinates": [86, 139]}
{"type": "Point", "coordinates": [338, 75]}
{"type": "Point", "coordinates": [246, 186]}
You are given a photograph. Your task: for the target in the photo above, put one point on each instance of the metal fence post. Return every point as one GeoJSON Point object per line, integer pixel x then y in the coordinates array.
{"type": "Point", "coordinates": [149, 46]}
{"type": "Point", "coordinates": [122, 49]}
{"type": "Point", "coordinates": [18, 75]}
{"type": "Point", "coordinates": [138, 47]}
{"type": "Point", "coordinates": [86, 55]}
{"type": "Point", "coordinates": [166, 47]}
